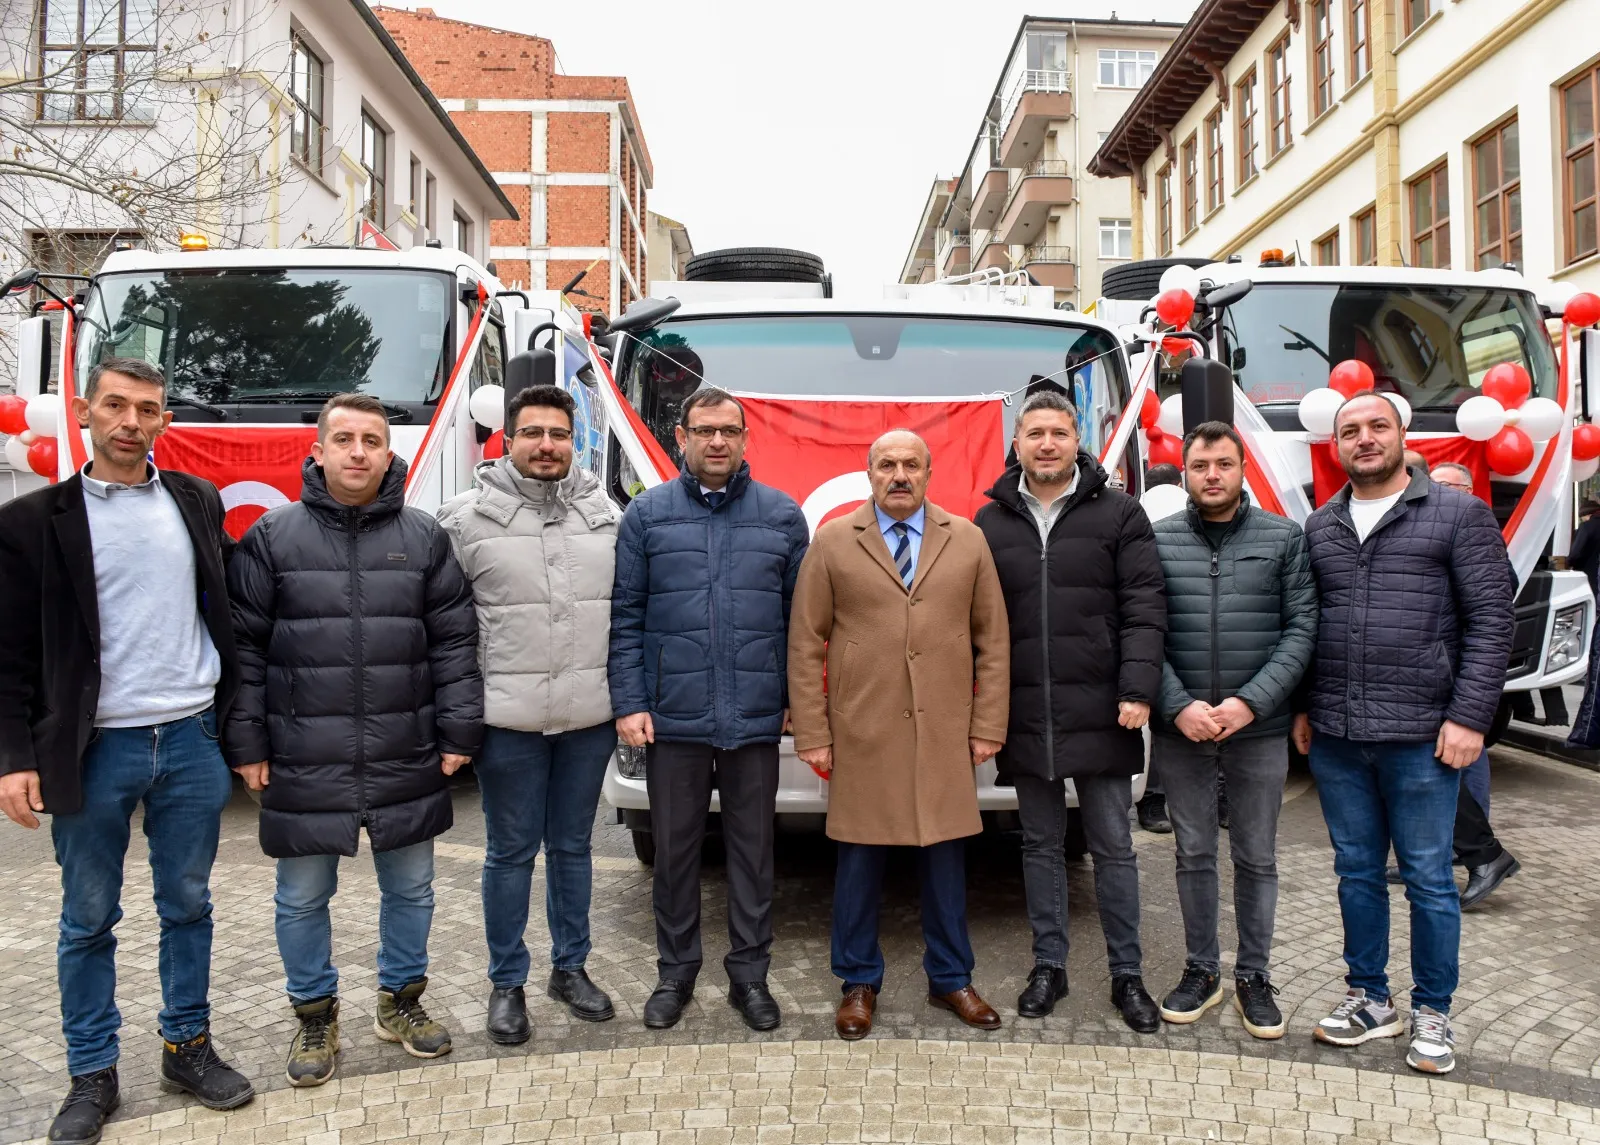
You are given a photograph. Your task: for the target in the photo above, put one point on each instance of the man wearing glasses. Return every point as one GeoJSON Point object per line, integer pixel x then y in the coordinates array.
{"type": "Point", "coordinates": [537, 538]}
{"type": "Point", "coordinates": [706, 568]}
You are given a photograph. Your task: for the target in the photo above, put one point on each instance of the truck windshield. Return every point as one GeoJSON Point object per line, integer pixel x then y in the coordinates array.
{"type": "Point", "coordinates": [1430, 344]}
{"type": "Point", "coordinates": [874, 356]}
{"type": "Point", "coordinates": [225, 336]}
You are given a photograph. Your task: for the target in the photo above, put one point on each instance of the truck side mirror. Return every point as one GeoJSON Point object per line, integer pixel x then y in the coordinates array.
{"type": "Point", "coordinates": [1207, 388]}
{"type": "Point", "coordinates": [535, 367]}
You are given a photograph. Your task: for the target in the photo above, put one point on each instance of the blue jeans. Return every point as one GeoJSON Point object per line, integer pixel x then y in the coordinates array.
{"type": "Point", "coordinates": [305, 932]}
{"type": "Point", "coordinates": [176, 771]}
{"type": "Point", "coordinates": [1375, 794]}
{"type": "Point", "coordinates": [539, 790]}
{"type": "Point", "coordinates": [857, 891]}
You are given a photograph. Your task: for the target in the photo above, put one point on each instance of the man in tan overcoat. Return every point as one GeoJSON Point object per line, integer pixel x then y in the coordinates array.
{"type": "Point", "coordinates": [900, 604]}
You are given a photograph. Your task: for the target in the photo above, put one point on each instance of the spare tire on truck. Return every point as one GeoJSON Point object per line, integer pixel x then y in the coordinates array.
{"type": "Point", "coordinates": [754, 264]}
{"type": "Point", "coordinates": [1142, 280]}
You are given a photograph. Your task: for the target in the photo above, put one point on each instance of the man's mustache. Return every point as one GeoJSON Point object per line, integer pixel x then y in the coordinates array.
{"type": "Point", "coordinates": [899, 486]}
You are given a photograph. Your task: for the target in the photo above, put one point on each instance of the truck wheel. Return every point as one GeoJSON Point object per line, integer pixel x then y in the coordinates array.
{"type": "Point", "coordinates": [754, 264]}
{"type": "Point", "coordinates": [644, 847]}
{"type": "Point", "coordinates": [1073, 843]}
{"type": "Point", "coordinates": [1140, 280]}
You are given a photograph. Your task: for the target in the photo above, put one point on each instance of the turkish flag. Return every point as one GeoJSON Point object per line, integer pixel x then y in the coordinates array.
{"type": "Point", "coordinates": [815, 450]}
{"type": "Point", "coordinates": [256, 468]}
{"type": "Point", "coordinates": [1328, 476]}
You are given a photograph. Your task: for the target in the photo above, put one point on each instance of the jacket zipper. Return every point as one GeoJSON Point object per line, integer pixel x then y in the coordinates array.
{"type": "Point", "coordinates": [711, 607]}
{"type": "Point", "coordinates": [361, 675]}
{"type": "Point", "coordinates": [1044, 621]}
{"type": "Point", "coordinates": [1216, 604]}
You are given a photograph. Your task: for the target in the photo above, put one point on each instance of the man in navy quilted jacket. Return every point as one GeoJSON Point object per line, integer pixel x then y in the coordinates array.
{"type": "Point", "coordinates": [1413, 637]}
{"type": "Point", "coordinates": [706, 568]}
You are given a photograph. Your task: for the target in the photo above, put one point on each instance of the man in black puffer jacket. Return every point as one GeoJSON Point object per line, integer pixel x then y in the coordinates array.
{"type": "Point", "coordinates": [360, 695]}
{"type": "Point", "coordinates": [1084, 595]}
{"type": "Point", "coordinates": [1241, 626]}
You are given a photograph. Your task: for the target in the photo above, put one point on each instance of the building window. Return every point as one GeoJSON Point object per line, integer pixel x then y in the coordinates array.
{"type": "Point", "coordinates": [1120, 67]}
{"type": "Point", "coordinates": [1047, 51]}
{"type": "Point", "coordinates": [305, 89]}
{"type": "Point", "coordinates": [430, 195]}
{"type": "Point", "coordinates": [1430, 218]}
{"type": "Point", "coordinates": [375, 163]}
{"type": "Point", "coordinates": [1327, 249]}
{"type": "Point", "coordinates": [462, 236]}
{"type": "Point", "coordinates": [94, 57]}
{"type": "Point", "coordinates": [1164, 209]}
{"type": "Point", "coordinates": [1244, 94]}
{"type": "Point", "coordinates": [1415, 12]}
{"type": "Point", "coordinates": [1278, 132]}
{"type": "Point", "coordinates": [1364, 238]}
{"type": "Point", "coordinates": [1214, 161]}
{"type": "Point", "coordinates": [1497, 197]}
{"type": "Point", "coordinates": [1191, 183]}
{"type": "Point", "coordinates": [414, 203]}
{"type": "Point", "coordinates": [1360, 39]}
{"type": "Point", "coordinates": [1319, 13]}
{"type": "Point", "coordinates": [1580, 110]}
{"type": "Point", "coordinates": [1116, 238]}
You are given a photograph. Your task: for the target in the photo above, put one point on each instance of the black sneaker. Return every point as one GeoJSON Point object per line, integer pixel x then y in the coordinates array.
{"type": "Point", "coordinates": [1046, 986]}
{"type": "Point", "coordinates": [1196, 992]}
{"type": "Point", "coordinates": [584, 999]}
{"type": "Point", "coordinates": [1138, 1009]}
{"type": "Point", "coordinates": [194, 1067]}
{"type": "Point", "coordinates": [1153, 814]}
{"type": "Point", "coordinates": [92, 1098]}
{"type": "Point", "coordinates": [755, 1004]}
{"type": "Point", "coordinates": [1252, 997]}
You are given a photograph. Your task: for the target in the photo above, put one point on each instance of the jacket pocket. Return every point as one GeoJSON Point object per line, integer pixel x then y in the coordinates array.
{"type": "Point", "coordinates": [1255, 576]}
{"type": "Point", "coordinates": [839, 683]}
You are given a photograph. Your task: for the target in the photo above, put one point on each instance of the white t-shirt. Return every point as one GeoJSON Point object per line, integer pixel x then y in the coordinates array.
{"type": "Point", "coordinates": [1364, 514]}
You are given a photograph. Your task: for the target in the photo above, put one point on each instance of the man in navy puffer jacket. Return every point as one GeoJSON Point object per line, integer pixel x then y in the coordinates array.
{"type": "Point", "coordinates": [706, 567]}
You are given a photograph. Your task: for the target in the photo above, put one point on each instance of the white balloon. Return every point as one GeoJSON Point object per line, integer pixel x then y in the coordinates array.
{"type": "Point", "coordinates": [17, 454]}
{"type": "Point", "coordinates": [1480, 418]}
{"type": "Point", "coordinates": [1171, 419]}
{"type": "Point", "coordinates": [44, 414]}
{"type": "Point", "coordinates": [1583, 470]}
{"type": "Point", "coordinates": [1540, 418]}
{"type": "Point", "coordinates": [27, 437]}
{"type": "Point", "coordinates": [1180, 277]}
{"type": "Point", "coordinates": [488, 407]}
{"type": "Point", "coordinates": [1402, 407]}
{"type": "Point", "coordinates": [1317, 410]}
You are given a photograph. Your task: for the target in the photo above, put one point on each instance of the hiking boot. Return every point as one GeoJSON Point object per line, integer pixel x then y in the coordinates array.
{"type": "Point", "coordinates": [1433, 1042]}
{"type": "Point", "coordinates": [194, 1067]}
{"type": "Point", "coordinates": [1359, 1019]}
{"type": "Point", "coordinates": [1196, 992]}
{"type": "Point", "coordinates": [1153, 814]}
{"type": "Point", "coordinates": [402, 1019]}
{"type": "Point", "coordinates": [91, 1099]}
{"type": "Point", "coordinates": [1252, 997]}
{"type": "Point", "coordinates": [313, 1053]}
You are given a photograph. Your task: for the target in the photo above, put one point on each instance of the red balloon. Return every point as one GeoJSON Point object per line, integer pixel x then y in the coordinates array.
{"type": "Point", "coordinates": [1175, 307]}
{"type": "Point", "coordinates": [1586, 442]}
{"type": "Point", "coordinates": [1508, 384]}
{"type": "Point", "coordinates": [1166, 450]}
{"type": "Point", "coordinates": [13, 414]}
{"type": "Point", "coordinates": [1583, 309]}
{"type": "Point", "coordinates": [1149, 409]}
{"type": "Point", "coordinates": [1351, 377]}
{"type": "Point", "coordinates": [42, 457]}
{"type": "Point", "coordinates": [1510, 451]}
{"type": "Point", "coordinates": [495, 446]}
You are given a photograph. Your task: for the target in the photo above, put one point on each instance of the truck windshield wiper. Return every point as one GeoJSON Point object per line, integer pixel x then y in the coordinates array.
{"type": "Point", "coordinates": [195, 403]}
{"type": "Point", "coordinates": [289, 397]}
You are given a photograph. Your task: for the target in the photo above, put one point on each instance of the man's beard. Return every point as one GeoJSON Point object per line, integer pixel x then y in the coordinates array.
{"type": "Point", "coordinates": [1366, 480]}
{"type": "Point", "coordinates": [1061, 477]}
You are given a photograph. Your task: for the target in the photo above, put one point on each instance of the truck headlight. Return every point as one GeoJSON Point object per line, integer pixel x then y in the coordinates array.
{"type": "Point", "coordinates": [630, 761]}
{"type": "Point", "coordinates": [1566, 639]}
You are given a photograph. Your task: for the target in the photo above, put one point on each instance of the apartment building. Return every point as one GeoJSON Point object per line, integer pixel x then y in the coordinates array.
{"type": "Point", "coordinates": [1020, 201]}
{"type": "Point", "coordinates": [1437, 133]}
{"type": "Point", "coordinates": [567, 150]}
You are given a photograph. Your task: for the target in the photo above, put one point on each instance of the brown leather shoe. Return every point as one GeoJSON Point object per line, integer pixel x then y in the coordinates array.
{"type": "Point", "coordinates": [970, 1008]}
{"type": "Point", "coordinates": [854, 1020]}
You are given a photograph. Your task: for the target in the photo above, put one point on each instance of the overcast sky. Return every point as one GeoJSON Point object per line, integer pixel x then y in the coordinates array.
{"type": "Point", "coordinates": [817, 125]}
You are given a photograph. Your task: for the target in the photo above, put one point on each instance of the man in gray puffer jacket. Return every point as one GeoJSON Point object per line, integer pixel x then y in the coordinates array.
{"type": "Point", "coordinates": [537, 539]}
{"type": "Point", "coordinates": [1241, 629]}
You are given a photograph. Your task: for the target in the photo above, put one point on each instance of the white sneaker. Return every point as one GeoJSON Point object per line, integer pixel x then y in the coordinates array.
{"type": "Point", "coordinates": [1359, 1019]}
{"type": "Point", "coordinates": [1433, 1042]}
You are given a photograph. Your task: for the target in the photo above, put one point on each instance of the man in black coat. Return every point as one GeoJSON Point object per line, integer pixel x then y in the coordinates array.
{"type": "Point", "coordinates": [360, 696]}
{"type": "Point", "coordinates": [1087, 607]}
{"type": "Point", "coordinates": [1413, 636]}
{"type": "Point", "coordinates": [117, 665]}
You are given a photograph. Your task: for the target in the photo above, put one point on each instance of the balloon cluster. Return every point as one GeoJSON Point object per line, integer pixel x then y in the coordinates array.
{"type": "Point", "coordinates": [1163, 428]}
{"type": "Point", "coordinates": [32, 426]}
{"type": "Point", "coordinates": [1348, 378]}
{"type": "Point", "coordinates": [1584, 310]}
{"type": "Point", "coordinates": [1505, 417]}
{"type": "Point", "coordinates": [1163, 421]}
{"type": "Point", "coordinates": [1174, 304]}
{"type": "Point", "coordinates": [487, 405]}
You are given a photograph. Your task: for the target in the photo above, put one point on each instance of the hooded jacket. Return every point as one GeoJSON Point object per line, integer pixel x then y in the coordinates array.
{"type": "Point", "coordinates": [358, 657]}
{"type": "Point", "coordinates": [541, 556]}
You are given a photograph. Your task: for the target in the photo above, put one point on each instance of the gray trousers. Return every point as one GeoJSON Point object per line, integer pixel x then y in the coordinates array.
{"type": "Point", "coordinates": [1103, 801]}
{"type": "Point", "coordinates": [1255, 770]}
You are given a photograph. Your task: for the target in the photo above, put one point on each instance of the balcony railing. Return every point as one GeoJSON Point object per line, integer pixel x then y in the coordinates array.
{"type": "Point", "coordinates": [953, 240]}
{"type": "Point", "coordinates": [1032, 79]}
{"type": "Point", "coordinates": [1044, 252]}
{"type": "Point", "coordinates": [1048, 168]}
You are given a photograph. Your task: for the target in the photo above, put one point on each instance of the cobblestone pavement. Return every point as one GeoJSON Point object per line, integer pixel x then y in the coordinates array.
{"type": "Point", "coordinates": [1525, 1014]}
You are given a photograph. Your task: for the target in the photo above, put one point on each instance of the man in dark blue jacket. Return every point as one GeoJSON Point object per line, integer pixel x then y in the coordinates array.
{"type": "Point", "coordinates": [706, 568]}
{"type": "Point", "coordinates": [1413, 636]}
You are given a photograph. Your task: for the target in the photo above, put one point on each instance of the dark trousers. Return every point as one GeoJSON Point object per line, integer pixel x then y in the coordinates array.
{"type": "Point", "coordinates": [857, 895]}
{"type": "Point", "coordinates": [678, 779]}
{"type": "Point", "coordinates": [1475, 843]}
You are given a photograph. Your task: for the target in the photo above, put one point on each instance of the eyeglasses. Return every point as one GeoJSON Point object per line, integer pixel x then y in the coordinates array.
{"type": "Point", "coordinates": [707, 432]}
{"type": "Point", "coordinates": [536, 432]}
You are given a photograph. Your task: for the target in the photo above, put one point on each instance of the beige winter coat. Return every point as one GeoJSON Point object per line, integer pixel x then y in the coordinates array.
{"type": "Point", "coordinates": [540, 556]}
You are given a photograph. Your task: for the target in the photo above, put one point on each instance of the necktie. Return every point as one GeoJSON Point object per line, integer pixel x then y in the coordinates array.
{"type": "Point", "coordinates": [902, 552]}
{"type": "Point", "coordinates": [715, 497]}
